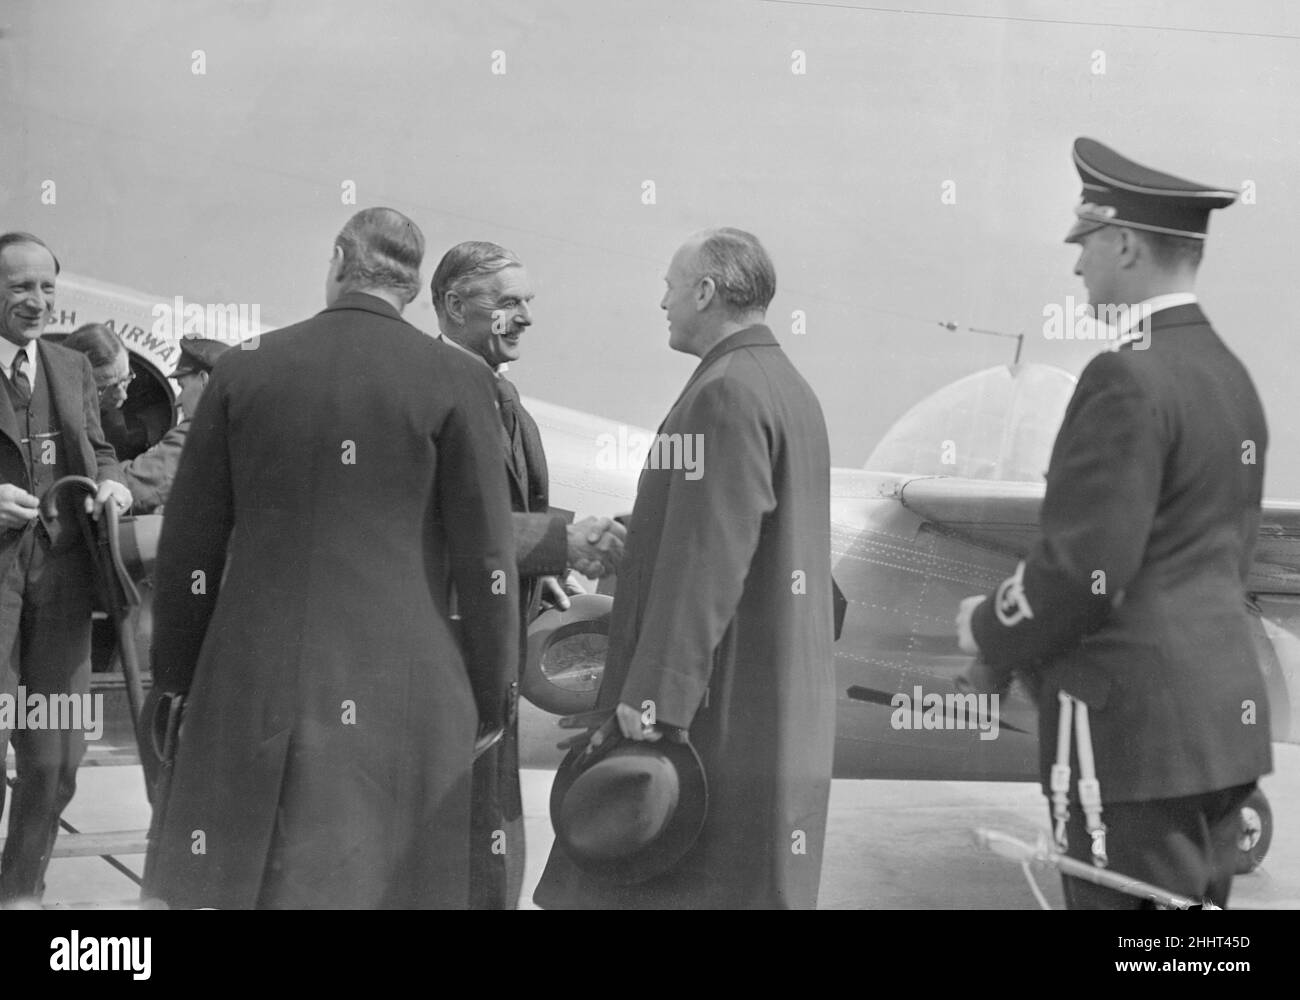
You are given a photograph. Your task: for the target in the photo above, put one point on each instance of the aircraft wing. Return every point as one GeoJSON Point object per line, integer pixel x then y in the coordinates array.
{"type": "Point", "coordinates": [1004, 517]}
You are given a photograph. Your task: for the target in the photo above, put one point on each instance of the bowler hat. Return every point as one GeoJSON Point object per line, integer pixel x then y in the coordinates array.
{"type": "Point", "coordinates": [627, 811]}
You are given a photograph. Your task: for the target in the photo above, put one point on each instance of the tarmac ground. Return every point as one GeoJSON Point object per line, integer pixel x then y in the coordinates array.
{"type": "Point", "coordinates": [890, 844]}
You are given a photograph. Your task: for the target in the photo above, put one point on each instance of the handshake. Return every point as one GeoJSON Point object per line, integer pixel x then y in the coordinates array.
{"type": "Point", "coordinates": [596, 546]}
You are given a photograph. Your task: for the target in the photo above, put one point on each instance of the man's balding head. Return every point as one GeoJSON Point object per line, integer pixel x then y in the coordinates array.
{"type": "Point", "coordinates": [379, 251]}
{"type": "Point", "coordinates": [740, 268]}
{"type": "Point", "coordinates": [719, 281]}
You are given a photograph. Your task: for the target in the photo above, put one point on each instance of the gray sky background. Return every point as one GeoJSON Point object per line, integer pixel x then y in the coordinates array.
{"type": "Point", "coordinates": [226, 187]}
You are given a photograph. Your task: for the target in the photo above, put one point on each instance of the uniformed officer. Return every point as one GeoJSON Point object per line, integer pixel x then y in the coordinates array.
{"type": "Point", "coordinates": [150, 474]}
{"type": "Point", "coordinates": [1128, 617]}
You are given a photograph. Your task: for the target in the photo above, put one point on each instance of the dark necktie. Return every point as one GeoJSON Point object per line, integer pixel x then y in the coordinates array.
{"type": "Point", "coordinates": [508, 398]}
{"type": "Point", "coordinates": [22, 384]}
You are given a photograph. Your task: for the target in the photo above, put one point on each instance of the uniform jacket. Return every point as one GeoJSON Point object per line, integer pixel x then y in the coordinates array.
{"type": "Point", "coordinates": [149, 475]}
{"type": "Point", "coordinates": [1133, 600]}
{"type": "Point", "coordinates": [723, 620]}
{"type": "Point", "coordinates": [351, 466]}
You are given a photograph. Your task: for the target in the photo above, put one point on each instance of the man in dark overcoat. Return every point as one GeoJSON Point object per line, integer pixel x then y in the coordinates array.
{"type": "Point", "coordinates": [722, 620]}
{"type": "Point", "coordinates": [1128, 619]}
{"type": "Point", "coordinates": [341, 479]}
{"type": "Point", "coordinates": [482, 297]}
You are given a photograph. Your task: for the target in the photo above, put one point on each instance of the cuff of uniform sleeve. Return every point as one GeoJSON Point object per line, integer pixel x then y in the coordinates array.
{"type": "Point", "coordinates": [986, 633]}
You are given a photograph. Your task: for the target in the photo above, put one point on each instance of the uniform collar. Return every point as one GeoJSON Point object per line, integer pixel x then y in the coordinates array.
{"type": "Point", "coordinates": [1146, 309]}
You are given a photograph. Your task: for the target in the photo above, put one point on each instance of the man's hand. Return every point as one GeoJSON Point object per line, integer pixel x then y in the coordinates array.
{"type": "Point", "coordinates": [965, 637]}
{"type": "Point", "coordinates": [556, 593]}
{"type": "Point", "coordinates": [631, 724]}
{"type": "Point", "coordinates": [17, 506]}
{"type": "Point", "coordinates": [109, 492]}
{"type": "Point", "coordinates": [553, 595]}
{"type": "Point", "coordinates": [596, 546]}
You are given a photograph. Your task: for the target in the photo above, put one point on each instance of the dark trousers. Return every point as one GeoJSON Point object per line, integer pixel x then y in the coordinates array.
{"type": "Point", "coordinates": [496, 846]}
{"type": "Point", "coordinates": [1185, 845]}
{"type": "Point", "coordinates": [45, 605]}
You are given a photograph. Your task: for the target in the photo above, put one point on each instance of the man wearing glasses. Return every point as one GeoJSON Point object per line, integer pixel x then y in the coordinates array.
{"type": "Point", "coordinates": [113, 385]}
{"type": "Point", "coordinates": [112, 368]}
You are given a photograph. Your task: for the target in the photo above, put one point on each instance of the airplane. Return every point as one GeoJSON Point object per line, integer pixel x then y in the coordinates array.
{"type": "Point", "coordinates": [922, 525]}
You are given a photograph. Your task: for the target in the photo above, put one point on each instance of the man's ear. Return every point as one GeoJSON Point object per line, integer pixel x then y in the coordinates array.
{"type": "Point", "coordinates": [203, 379]}
{"type": "Point", "coordinates": [705, 290]}
{"type": "Point", "coordinates": [454, 306]}
{"type": "Point", "coordinates": [1129, 247]}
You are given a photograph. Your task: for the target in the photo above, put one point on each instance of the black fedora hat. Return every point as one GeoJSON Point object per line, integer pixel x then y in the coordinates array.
{"type": "Point", "coordinates": [627, 811]}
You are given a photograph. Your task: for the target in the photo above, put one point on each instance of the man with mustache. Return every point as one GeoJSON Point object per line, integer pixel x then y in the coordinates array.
{"type": "Point", "coordinates": [481, 294]}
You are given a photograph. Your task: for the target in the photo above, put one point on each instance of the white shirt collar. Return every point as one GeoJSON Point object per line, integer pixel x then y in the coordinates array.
{"type": "Point", "coordinates": [1145, 310]}
{"type": "Point", "coordinates": [499, 370]}
{"type": "Point", "coordinates": [9, 351]}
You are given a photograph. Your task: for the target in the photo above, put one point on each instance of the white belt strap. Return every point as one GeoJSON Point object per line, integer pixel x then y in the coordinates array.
{"type": "Point", "coordinates": [1060, 783]}
{"type": "Point", "coordinates": [1074, 711]}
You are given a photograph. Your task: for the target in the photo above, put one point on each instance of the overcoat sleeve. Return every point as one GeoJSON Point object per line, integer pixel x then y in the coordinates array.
{"type": "Point", "coordinates": [474, 507]}
{"type": "Point", "coordinates": [541, 544]}
{"type": "Point", "coordinates": [192, 548]}
{"type": "Point", "coordinates": [1103, 489]}
{"type": "Point", "coordinates": [710, 530]}
{"type": "Point", "coordinates": [149, 475]}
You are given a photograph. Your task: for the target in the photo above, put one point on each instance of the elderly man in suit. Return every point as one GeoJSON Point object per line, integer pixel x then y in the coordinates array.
{"type": "Point", "coordinates": [49, 428]}
{"type": "Point", "coordinates": [722, 622]}
{"type": "Point", "coordinates": [337, 484]}
{"type": "Point", "coordinates": [482, 296]}
{"type": "Point", "coordinates": [1128, 618]}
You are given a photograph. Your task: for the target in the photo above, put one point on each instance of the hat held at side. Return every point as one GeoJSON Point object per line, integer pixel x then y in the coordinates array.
{"type": "Point", "coordinates": [625, 812]}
